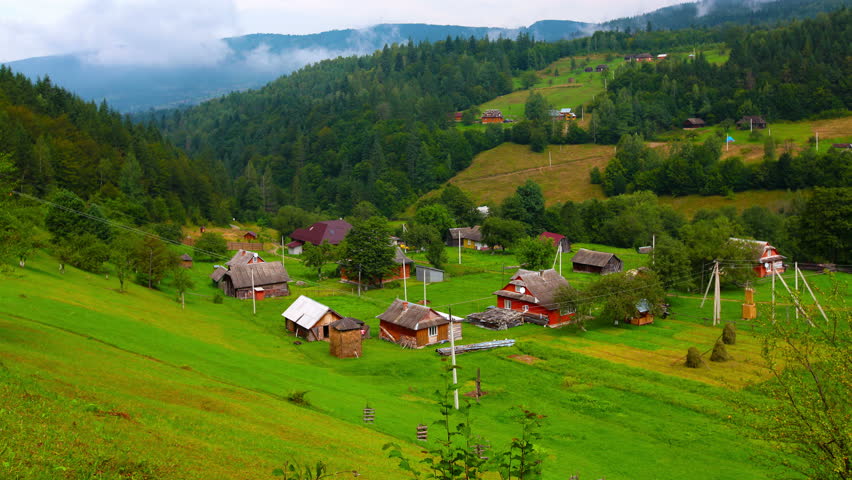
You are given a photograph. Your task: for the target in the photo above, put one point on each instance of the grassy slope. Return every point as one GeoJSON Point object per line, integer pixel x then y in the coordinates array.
{"type": "Point", "coordinates": [203, 388]}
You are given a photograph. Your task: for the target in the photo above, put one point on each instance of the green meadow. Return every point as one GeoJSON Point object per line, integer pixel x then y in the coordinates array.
{"type": "Point", "coordinates": [102, 384]}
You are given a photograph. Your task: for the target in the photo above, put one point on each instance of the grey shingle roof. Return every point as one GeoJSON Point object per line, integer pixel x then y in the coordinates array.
{"type": "Point", "coordinates": [592, 257]}
{"type": "Point", "coordinates": [242, 257]}
{"type": "Point", "coordinates": [266, 273]}
{"type": "Point", "coordinates": [541, 287]}
{"type": "Point", "coordinates": [411, 315]}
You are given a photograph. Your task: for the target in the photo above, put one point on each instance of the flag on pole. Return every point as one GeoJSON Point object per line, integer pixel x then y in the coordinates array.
{"type": "Point", "coordinates": [729, 139]}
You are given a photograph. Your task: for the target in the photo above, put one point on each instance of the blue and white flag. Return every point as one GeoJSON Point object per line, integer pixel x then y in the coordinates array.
{"type": "Point", "coordinates": [730, 139]}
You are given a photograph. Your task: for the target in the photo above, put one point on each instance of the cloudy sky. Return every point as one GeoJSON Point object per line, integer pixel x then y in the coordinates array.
{"type": "Point", "coordinates": [168, 31]}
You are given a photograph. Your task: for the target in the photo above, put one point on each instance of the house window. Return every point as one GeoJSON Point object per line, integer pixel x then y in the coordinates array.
{"type": "Point", "coordinates": [526, 308]}
{"type": "Point", "coordinates": [433, 331]}
{"type": "Point", "coordinates": [507, 304]}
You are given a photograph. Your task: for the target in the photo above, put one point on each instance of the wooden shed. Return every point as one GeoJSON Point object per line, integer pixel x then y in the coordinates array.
{"type": "Point", "coordinates": [240, 280]}
{"type": "Point", "coordinates": [429, 274]}
{"type": "Point", "coordinates": [591, 261]}
{"type": "Point", "coordinates": [643, 314]}
{"type": "Point", "coordinates": [250, 236]}
{"type": "Point", "coordinates": [749, 122]}
{"type": "Point", "coordinates": [185, 261]}
{"type": "Point", "coordinates": [415, 326]}
{"type": "Point", "coordinates": [309, 319]}
{"type": "Point", "coordinates": [694, 123]}
{"type": "Point", "coordinates": [345, 338]}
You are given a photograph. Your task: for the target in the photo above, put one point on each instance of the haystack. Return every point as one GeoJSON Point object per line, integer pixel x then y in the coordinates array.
{"type": "Point", "coordinates": [729, 334]}
{"type": "Point", "coordinates": [720, 353]}
{"type": "Point", "coordinates": [693, 358]}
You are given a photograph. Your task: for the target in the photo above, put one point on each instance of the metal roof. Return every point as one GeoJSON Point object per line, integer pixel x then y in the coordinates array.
{"type": "Point", "coordinates": [306, 312]}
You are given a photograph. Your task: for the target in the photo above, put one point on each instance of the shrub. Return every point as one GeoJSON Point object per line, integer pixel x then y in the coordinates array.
{"type": "Point", "coordinates": [729, 334]}
{"type": "Point", "coordinates": [720, 353]}
{"type": "Point", "coordinates": [298, 398]}
{"type": "Point", "coordinates": [693, 358]}
{"type": "Point", "coordinates": [217, 299]}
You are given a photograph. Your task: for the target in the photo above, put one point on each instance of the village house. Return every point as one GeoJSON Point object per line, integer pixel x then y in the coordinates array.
{"type": "Point", "coordinates": [588, 69]}
{"type": "Point", "coordinates": [749, 122]}
{"type": "Point", "coordinates": [558, 240]}
{"type": "Point", "coordinates": [306, 318]}
{"type": "Point", "coordinates": [250, 236]}
{"type": "Point", "coordinates": [567, 114]}
{"type": "Point", "coordinates": [186, 261]}
{"type": "Point", "coordinates": [401, 269]}
{"type": "Point", "coordinates": [534, 295]}
{"type": "Point", "coordinates": [842, 146]}
{"type": "Point", "coordinates": [415, 326]}
{"type": "Point", "coordinates": [492, 116]}
{"type": "Point", "coordinates": [345, 338]}
{"type": "Point", "coordinates": [329, 231]}
{"type": "Point", "coordinates": [471, 237]}
{"type": "Point", "coordinates": [218, 272]}
{"type": "Point", "coordinates": [767, 259]}
{"type": "Point", "coordinates": [255, 279]}
{"type": "Point", "coordinates": [662, 56]}
{"type": "Point", "coordinates": [457, 117]}
{"type": "Point", "coordinates": [243, 257]}
{"type": "Point", "coordinates": [602, 263]}
{"type": "Point", "coordinates": [602, 68]}
{"type": "Point", "coordinates": [694, 123]}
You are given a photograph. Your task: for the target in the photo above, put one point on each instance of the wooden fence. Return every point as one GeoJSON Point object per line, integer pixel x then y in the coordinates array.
{"type": "Point", "coordinates": [245, 246]}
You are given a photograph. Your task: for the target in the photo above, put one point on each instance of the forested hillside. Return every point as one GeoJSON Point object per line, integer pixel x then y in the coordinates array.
{"type": "Point", "coordinates": [57, 141]}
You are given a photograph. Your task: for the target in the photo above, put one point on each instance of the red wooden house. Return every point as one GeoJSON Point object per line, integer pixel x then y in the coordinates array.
{"type": "Point", "coordinates": [492, 116]}
{"type": "Point", "coordinates": [534, 294]}
{"type": "Point", "coordinates": [243, 257]}
{"type": "Point", "coordinates": [768, 261]}
{"type": "Point", "coordinates": [558, 240]}
{"type": "Point", "coordinates": [250, 236]}
{"type": "Point", "coordinates": [330, 231]}
{"type": "Point", "coordinates": [415, 326]}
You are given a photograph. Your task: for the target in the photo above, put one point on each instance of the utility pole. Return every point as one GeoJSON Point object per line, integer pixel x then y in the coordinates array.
{"type": "Point", "coordinates": [150, 267]}
{"type": "Point", "coordinates": [253, 293]}
{"type": "Point", "coordinates": [453, 352]}
{"type": "Point", "coordinates": [282, 250]}
{"type": "Point", "coordinates": [717, 317]}
{"type": "Point", "coordinates": [405, 281]}
{"type": "Point", "coordinates": [549, 158]}
{"type": "Point", "coordinates": [460, 240]}
{"type": "Point", "coordinates": [359, 279]}
{"type": "Point", "coordinates": [796, 284]}
{"type": "Point", "coordinates": [425, 281]}
{"type": "Point", "coordinates": [817, 141]}
{"type": "Point", "coordinates": [773, 297]}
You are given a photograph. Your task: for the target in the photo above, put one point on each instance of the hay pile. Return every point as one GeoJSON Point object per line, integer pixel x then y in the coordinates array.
{"type": "Point", "coordinates": [693, 358]}
{"type": "Point", "coordinates": [729, 334]}
{"type": "Point", "coordinates": [720, 353]}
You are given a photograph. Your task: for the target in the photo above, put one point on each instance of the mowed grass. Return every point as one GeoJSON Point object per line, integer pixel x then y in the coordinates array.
{"type": "Point", "coordinates": [202, 392]}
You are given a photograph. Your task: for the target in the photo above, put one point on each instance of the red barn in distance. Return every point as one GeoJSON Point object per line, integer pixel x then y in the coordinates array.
{"type": "Point", "coordinates": [769, 262]}
{"type": "Point", "coordinates": [492, 116]}
{"type": "Point", "coordinates": [330, 231]}
{"type": "Point", "coordinates": [534, 294]}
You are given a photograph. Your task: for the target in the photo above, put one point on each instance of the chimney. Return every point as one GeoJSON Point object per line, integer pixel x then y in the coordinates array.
{"type": "Point", "coordinates": [404, 306]}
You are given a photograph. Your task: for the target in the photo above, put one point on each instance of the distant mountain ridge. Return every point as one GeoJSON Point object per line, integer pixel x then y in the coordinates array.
{"type": "Point", "coordinates": [252, 61]}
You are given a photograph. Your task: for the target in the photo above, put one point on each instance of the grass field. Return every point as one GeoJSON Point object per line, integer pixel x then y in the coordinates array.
{"type": "Point", "coordinates": [102, 384]}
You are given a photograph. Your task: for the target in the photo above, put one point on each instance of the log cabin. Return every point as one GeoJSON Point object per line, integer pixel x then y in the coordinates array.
{"type": "Point", "coordinates": [534, 295]}
{"type": "Point", "coordinates": [602, 263]}
{"type": "Point", "coordinates": [471, 237]}
{"type": "Point", "coordinates": [242, 281]}
{"type": "Point", "coordinates": [306, 318]}
{"type": "Point", "coordinates": [415, 326]}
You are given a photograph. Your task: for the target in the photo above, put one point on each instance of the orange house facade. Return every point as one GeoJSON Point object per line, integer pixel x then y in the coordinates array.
{"type": "Point", "coordinates": [534, 294]}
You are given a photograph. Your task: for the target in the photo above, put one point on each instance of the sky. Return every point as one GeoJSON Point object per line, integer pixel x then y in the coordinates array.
{"type": "Point", "coordinates": [186, 31]}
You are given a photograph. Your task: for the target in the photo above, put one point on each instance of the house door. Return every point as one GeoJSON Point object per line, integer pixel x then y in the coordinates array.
{"type": "Point", "coordinates": [325, 331]}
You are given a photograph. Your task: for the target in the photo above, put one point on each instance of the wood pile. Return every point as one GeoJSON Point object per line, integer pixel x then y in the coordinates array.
{"type": "Point", "coordinates": [475, 347]}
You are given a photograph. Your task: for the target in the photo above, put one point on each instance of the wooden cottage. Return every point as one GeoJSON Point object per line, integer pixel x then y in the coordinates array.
{"type": "Point", "coordinates": [415, 326]}
{"type": "Point", "coordinates": [330, 231]}
{"type": "Point", "coordinates": [186, 261]}
{"type": "Point", "coordinates": [558, 240]}
{"type": "Point", "coordinates": [751, 121]}
{"type": "Point", "coordinates": [644, 57]}
{"type": "Point", "coordinates": [471, 237]}
{"type": "Point", "coordinates": [767, 259]}
{"type": "Point", "coordinates": [643, 313]}
{"type": "Point", "coordinates": [457, 117]}
{"type": "Point", "coordinates": [496, 318]}
{"type": "Point", "coordinates": [602, 263]}
{"type": "Point", "coordinates": [588, 69]}
{"type": "Point", "coordinates": [694, 123]}
{"type": "Point", "coordinates": [567, 114]}
{"type": "Point", "coordinates": [534, 295]}
{"type": "Point", "coordinates": [345, 337]}
{"type": "Point", "coordinates": [242, 281]}
{"type": "Point", "coordinates": [243, 257]}
{"type": "Point", "coordinates": [218, 272]}
{"type": "Point", "coordinates": [602, 68]}
{"type": "Point", "coordinates": [492, 116]}
{"type": "Point", "coordinates": [250, 236]}
{"type": "Point", "coordinates": [645, 250]}
{"type": "Point", "coordinates": [309, 319]}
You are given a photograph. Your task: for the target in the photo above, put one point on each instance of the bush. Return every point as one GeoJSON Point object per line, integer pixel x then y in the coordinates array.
{"type": "Point", "coordinates": [729, 334]}
{"type": "Point", "coordinates": [720, 353]}
{"type": "Point", "coordinates": [392, 284]}
{"type": "Point", "coordinates": [693, 358]}
{"type": "Point", "coordinates": [298, 398]}
{"type": "Point", "coordinates": [218, 298]}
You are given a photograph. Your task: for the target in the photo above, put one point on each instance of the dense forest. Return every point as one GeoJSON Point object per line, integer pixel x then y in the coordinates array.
{"type": "Point", "coordinates": [786, 73]}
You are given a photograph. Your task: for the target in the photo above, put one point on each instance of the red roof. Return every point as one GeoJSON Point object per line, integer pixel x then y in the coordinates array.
{"type": "Point", "coordinates": [331, 231]}
{"type": "Point", "coordinates": [553, 236]}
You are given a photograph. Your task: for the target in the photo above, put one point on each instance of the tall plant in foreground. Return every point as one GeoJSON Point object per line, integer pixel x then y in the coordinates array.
{"type": "Point", "coordinates": [457, 455]}
{"type": "Point", "coordinates": [808, 421]}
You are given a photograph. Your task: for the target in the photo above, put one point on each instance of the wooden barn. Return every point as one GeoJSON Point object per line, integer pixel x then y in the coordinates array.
{"type": "Point", "coordinates": [534, 295]}
{"type": "Point", "coordinates": [329, 231]}
{"type": "Point", "coordinates": [643, 314]}
{"type": "Point", "coordinates": [241, 280]}
{"type": "Point", "coordinates": [492, 116]}
{"type": "Point", "coordinates": [694, 123]}
{"type": "Point", "coordinates": [218, 272]}
{"type": "Point", "coordinates": [767, 259]}
{"type": "Point", "coordinates": [602, 68]}
{"type": "Point", "coordinates": [496, 318]}
{"type": "Point", "coordinates": [558, 240]}
{"type": "Point", "coordinates": [306, 318]}
{"type": "Point", "coordinates": [186, 261]}
{"type": "Point", "coordinates": [602, 263]}
{"type": "Point", "coordinates": [415, 326]}
{"type": "Point", "coordinates": [471, 237]}
{"type": "Point", "coordinates": [749, 122]}
{"type": "Point", "coordinates": [589, 69]}
{"type": "Point", "coordinates": [345, 338]}
{"type": "Point", "coordinates": [250, 236]}
{"type": "Point", "coordinates": [243, 257]}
